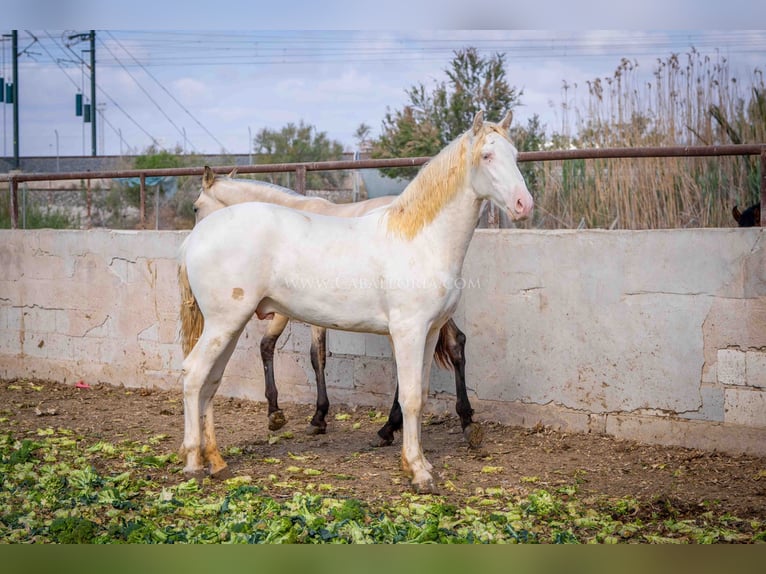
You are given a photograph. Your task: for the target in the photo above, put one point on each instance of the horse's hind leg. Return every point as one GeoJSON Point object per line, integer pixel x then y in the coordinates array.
{"type": "Point", "coordinates": [211, 454]}
{"type": "Point", "coordinates": [393, 424]}
{"type": "Point", "coordinates": [318, 359]}
{"type": "Point", "coordinates": [203, 369]}
{"type": "Point", "coordinates": [277, 325]}
{"type": "Point", "coordinates": [472, 431]}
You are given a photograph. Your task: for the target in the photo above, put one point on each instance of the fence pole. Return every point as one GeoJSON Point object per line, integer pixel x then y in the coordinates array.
{"type": "Point", "coordinates": [88, 205]}
{"type": "Point", "coordinates": [300, 179]}
{"type": "Point", "coordinates": [157, 206]}
{"type": "Point", "coordinates": [763, 186]}
{"type": "Point", "coordinates": [14, 188]}
{"type": "Point", "coordinates": [142, 202]}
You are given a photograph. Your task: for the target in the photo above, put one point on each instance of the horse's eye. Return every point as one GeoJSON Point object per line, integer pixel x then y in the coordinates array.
{"type": "Point", "coordinates": [196, 209]}
{"type": "Point", "coordinates": [486, 156]}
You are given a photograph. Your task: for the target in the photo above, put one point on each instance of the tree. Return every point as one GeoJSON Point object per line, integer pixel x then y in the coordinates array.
{"type": "Point", "coordinates": [362, 137]}
{"type": "Point", "coordinates": [152, 158]}
{"type": "Point", "coordinates": [298, 143]}
{"type": "Point", "coordinates": [435, 117]}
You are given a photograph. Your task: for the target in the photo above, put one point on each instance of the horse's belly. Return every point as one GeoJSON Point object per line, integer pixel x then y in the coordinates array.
{"type": "Point", "coordinates": [327, 311]}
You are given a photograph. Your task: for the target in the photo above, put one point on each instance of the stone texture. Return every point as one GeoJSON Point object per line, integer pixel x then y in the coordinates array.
{"type": "Point", "coordinates": [731, 367]}
{"type": "Point", "coordinates": [755, 367]}
{"type": "Point", "coordinates": [745, 407]}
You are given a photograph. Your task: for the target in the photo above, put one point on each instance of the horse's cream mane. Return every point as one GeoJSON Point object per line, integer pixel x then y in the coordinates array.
{"type": "Point", "coordinates": [436, 184]}
{"type": "Point", "coordinates": [247, 189]}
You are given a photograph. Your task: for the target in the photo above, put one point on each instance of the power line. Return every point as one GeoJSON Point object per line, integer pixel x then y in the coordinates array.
{"type": "Point", "coordinates": [110, 98]}
{"type": "Point", "coordinates": [57, 62]}
{"type": "Point", "coordinates": [223, 147]}
{"type": "Point", "coordinates": [148, 95]}
{"type": "Point", "coordinates": [213, 48]}
{"type": "Point", "coordinates": [63, 70]}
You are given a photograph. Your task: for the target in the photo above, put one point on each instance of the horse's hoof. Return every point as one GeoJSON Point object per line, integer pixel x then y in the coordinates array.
{"type": "Point", "coordinates": [198, 473]}
{"type": "Point", "coordinates": [379, 441]}
{"type": "Point", "coordinates": [474, 434]}
{"type": "Point", "coordinates": [277, 420]}
{"type": "Point", "coordinates": [221, 474]}
{"type": "Point", "coordinates": [314, 430]}
{"type": "Point", "coordinates": [425, 487]}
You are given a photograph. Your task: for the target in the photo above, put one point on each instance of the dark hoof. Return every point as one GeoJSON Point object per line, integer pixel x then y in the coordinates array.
{"type": "Point", "coordinates": [314, 430]}
{"type": "Point", "coordinates": [427, 487]}
{"type": "Point", "coordinates": [474, 434]}
{"type": "Point", "coordinates": [379, 441]}
{"type": "Point", "coordinates": [198, 474]}
{"type": "Point", "coordinates": [277, 420]}
{"type": "Point", "coordinates": [221, 474]}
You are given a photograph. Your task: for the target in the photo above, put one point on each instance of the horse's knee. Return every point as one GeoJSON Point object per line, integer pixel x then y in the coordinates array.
{"type": "Point", "coordinates": [318, 357]}
{"type": "Point", "coordinates": [268, 344]}
{"type": "Point", "coordinates": [411, 406]}
{"type": "Point", "coordinates": [456, 346]}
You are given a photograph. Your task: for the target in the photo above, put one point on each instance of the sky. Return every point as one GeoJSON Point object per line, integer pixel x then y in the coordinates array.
{"type": "Point", "coordinates": [208, 90]}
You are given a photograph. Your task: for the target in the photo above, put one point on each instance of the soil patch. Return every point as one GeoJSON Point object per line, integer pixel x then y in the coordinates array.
{"type": "Point", "coordinates": [676, 481]}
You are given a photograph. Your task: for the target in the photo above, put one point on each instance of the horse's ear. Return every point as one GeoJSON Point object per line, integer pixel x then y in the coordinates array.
{"type": "Point", "coordinates": [233, 173]}
{"type": "Point", "coordinates": [735, 212]}
{"type": "Point", "coordinates": [208, 177]}
{"type": "Point", "coordinates": [505, 123]}
{"type": "Point", "coordinates": [478, 120]}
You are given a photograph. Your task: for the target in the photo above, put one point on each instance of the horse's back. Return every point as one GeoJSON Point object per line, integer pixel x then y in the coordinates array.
{"type": "Point", "coordinates": [288, 240]}
{"type": "Point", "coordinates": [268, 258]}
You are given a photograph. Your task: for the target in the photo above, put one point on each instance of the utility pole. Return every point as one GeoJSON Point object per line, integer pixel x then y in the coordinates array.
{"type": "Point", "coordinates": [15, 52]}
{"type": "Point", "coordinates": [93, 92]}
{"type": "Point", "coordinates": [91, 36]}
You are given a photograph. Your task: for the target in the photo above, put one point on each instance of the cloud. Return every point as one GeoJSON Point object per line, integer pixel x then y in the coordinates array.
{"type": "Point", "coordinates": [191, 91]}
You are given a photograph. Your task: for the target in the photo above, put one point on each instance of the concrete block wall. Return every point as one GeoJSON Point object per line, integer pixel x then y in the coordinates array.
{"type": "Point", "coordinates": [657, 336]}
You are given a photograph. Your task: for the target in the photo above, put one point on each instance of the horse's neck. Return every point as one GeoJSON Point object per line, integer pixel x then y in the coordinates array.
{"type": "Point", "coordinates": [451, 231]}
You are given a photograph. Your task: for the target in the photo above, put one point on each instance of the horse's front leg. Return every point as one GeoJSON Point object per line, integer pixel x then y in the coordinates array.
{"type": "Point", "coordinates": [413, 353]}
{"type": "Point", "coordinates": [455, 345]}
{"type": "Point", "coordinates": [277, 325]}
{"type": "Point", "coordinates": [318, 360]}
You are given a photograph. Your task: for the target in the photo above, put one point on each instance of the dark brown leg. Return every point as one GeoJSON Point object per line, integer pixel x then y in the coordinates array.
{"type": "Point", "coordinates": [276, 417]}
{"type": "Point", "coordinates": [393, 424]}
{"type": "Point", "coordinates": [455, 339]}
{"type": "Point", "coordinates": [318, 359]}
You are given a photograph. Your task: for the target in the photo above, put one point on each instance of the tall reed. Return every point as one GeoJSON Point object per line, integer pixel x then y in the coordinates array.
{"type": "Point", "coordinates": [691, 100]}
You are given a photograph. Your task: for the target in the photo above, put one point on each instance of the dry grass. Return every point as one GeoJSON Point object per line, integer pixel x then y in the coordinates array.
{"type": "Point", "coordinates": [692, 100]}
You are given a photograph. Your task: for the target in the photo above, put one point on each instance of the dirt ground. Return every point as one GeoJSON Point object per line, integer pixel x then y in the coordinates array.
{"type": "Point", "coordinates": [517, 459]}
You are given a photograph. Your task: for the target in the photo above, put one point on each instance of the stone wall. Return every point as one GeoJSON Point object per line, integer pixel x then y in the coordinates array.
{"type": "Point", "coordinates": [658, 336]}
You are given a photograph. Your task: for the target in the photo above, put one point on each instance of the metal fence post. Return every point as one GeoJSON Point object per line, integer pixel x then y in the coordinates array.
{"type": "Point", "coordinates": [157, 206]}
{"type": "Point", "coordinates": [14, 189]}
{"type": "Point", "coordinates": [300, 179]}
{"type": "Point", "coordinates": [142, 203]}
{"type": "Point", "coordinates": [88, 204]}
{"type": "Point", "coordinates": [763, 186]}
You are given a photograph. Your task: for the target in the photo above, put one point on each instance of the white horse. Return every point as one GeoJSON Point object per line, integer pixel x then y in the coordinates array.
{"type": "Point", "coordinates": [218, 192]}
{"type": "Point", "coordinates": [394, 271]}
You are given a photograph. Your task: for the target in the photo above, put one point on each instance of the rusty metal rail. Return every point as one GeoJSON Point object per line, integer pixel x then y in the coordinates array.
{"type": "Point", "coordinates": [300, 169]}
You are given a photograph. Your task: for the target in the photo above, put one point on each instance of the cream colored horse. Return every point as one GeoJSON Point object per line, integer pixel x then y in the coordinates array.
{"type": "Point", "coordinates": [219, 192]}
{"type": "Point", "coordinates": [395, 271]}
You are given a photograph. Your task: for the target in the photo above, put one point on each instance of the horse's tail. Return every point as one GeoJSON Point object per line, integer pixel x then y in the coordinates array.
{"type": "Point", "coordinates": [192, 320]}
{"type": "Point", "coordinates": [441, 354]}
